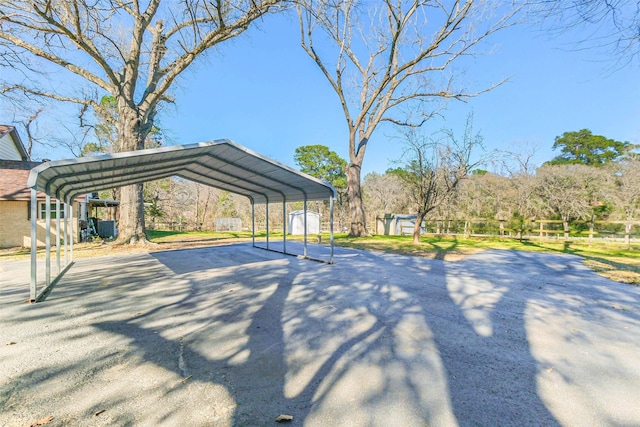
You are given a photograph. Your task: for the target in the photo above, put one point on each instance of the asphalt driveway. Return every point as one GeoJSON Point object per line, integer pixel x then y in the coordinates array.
{"type": "Point", "coordinates": [233, 335]}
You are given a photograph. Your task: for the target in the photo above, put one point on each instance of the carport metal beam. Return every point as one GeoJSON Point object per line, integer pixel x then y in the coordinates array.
{"type": "Point", "coordinates": [48, 240]}
{"type": "Point", "coordinates": [34, 295]}
{"type": "Point", "coordinates": [34, 244]}
{"type": "Point", "coordinates": [284, 225]}
{"type": "Point", "coordinates": [305, 240]}
{"type": "Point", "coordinates": [221, 164]}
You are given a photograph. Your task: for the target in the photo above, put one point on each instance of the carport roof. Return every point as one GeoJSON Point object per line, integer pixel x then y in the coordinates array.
{"type": "Point", "coordinates": [221, 163]}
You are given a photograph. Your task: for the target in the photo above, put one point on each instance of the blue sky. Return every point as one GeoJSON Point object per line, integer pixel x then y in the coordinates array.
{"type": "Point", "coordinates": [262, 91]}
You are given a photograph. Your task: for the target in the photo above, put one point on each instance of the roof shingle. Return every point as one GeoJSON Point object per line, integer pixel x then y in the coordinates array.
{"type": "Point", "coordinates": [13, 179]}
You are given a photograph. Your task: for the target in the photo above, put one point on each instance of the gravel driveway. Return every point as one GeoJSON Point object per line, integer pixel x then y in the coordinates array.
{"type": "Point", "coordinates": [233, 335]}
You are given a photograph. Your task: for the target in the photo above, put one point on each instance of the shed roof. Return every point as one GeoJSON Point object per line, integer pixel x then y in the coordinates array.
{"type": "Point", "coordinates": [221, 163]}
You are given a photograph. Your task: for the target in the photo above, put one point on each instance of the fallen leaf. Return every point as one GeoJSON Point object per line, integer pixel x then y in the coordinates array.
{"type": "Point", "coordinates": [11, 343]}
{"type": "Point", "coordinates": [42, 422]}
{"type": "Point", "coordinates": [550, 370]}
{"type": "Point", "coordinates": [284, 418]}
{"type": "Point", "coordinates": [95, 414]}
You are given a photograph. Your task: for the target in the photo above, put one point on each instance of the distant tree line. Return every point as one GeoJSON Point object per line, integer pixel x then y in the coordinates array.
{"type": "Point", "coordinates": [592, 179]}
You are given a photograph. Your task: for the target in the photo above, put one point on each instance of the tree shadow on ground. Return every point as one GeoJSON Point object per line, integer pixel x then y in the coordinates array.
{"type": "Point", "coordinates": [624, 272]}
{"type": "Point", "coordinates": [374, 340]}
{"type": "Point", "coordinates": [490, 373]}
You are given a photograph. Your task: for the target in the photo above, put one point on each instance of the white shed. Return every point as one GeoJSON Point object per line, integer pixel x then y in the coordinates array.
{"type": "Point", "coordinates": [296, 222]}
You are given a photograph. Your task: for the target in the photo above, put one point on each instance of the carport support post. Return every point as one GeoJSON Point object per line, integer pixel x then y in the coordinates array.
{"type": "Point", "coordinates": [71, 233]}
{"type": "Point", "coordinates": [34, 244]}
{"type": "Point", "coordinates": [331, 228]}
{"type": "Point", "coordinates": [267, 211]}
{"type": "Point", "coordinates": [305, 225]}
{"type": "Point", "coordinates": [284, 225]}
{"type": "Point", "coordinates": [253, 224]}
{"type": "Point", "coordinates": [58, 234]}
{"type": "Point", "coordinates": [48, 241]}
{"type": "Point", "coordinates": [66, 234]}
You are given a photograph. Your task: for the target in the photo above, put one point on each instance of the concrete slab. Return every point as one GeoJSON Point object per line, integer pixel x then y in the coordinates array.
{"type": "Point", "coordinates": [233, 335]}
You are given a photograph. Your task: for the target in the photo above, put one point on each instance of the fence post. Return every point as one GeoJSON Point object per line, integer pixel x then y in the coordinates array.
{"type": "Point", "coordinates": [541, 229]}
{"type": "Point", "coordinates": [627, 234]}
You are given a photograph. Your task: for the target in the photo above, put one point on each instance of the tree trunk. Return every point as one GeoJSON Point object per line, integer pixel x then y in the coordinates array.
{"type": "Point", "coordinates": [417, 228]}
{"type": "Point", "coordinates": [358, 223]}
{"type": "Point", "coordinates": [132, 229]}
{"type": "Point", "coordinates": [565, 226]}
{"type": "Point", "coordinates": [133, 128]}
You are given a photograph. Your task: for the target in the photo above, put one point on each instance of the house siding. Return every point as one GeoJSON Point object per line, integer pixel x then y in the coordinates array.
{"type": "Point", "coordinates": [8, 150]}
{"type": "Point", "coordinates": [15, 227]}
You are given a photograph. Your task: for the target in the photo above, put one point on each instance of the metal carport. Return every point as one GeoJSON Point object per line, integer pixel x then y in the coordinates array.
{"type": "Point", "coordinates": [221, 164]}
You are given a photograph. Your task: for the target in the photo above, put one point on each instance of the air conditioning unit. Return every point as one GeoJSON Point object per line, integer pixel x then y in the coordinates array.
{"type": "Point", "coordinates": [106, 229]}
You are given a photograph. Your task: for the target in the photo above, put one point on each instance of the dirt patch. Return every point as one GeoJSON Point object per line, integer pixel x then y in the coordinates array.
{"type": "Point", "coordinates": [102, 248]}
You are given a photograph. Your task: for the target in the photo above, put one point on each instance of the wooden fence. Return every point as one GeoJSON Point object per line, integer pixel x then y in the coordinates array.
{"type": "Point", "coordinates": [527, 229]}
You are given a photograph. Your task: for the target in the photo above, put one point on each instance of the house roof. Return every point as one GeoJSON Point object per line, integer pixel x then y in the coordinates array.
{"type": "Point", "coordinates": [221, 164]}
{"type": "Point", "coordinates": [4, 129]}
{"type": "Point", "coordinates": [13, 179]}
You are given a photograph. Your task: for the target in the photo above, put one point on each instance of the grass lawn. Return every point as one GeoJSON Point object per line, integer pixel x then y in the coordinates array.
{"type": "Point", "coordinates": [612, 260]}
{"type": "Point", "coordinates": [159, 236]}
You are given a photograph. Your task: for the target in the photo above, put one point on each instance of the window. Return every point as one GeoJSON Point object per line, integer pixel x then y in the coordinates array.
{"type": "Point", "coordinates": [43, 211]}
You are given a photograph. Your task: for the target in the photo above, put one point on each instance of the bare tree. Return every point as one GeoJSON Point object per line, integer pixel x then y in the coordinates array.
{"type": "Point", "coordinates": [482, 196]}
{"type": "Point", "coordinates": [384, 193]}
{"type": "Point", "coordinates": [615, 24]}
{"type": "Point", "coordinates": [29, 123]}
{"type": "Point", "coordinates": [392, 53]}
{"type": "Point", "coordinates": [204, 196]}
{"type": "Point", "coordinates": [131, 51]}
{"type": "Point", "coordinates": [624, 178]}
{"type": "Point", "coordinates": [521, 201]}
{"type": "Point", "coordinates": [435, 167]}
{"type": "Point", "coordinates": [568, 192]}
